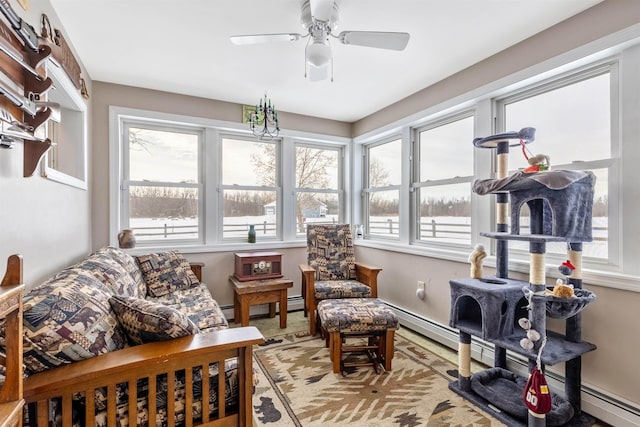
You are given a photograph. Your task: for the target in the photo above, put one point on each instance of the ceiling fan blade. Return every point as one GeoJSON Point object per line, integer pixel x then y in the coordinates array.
{"type": "Point", "coordinates": [317, 74]}
{"type": "Point", "coordinates": [379, 39]}
{"type": "Point", "coordinates": [264, 38]}
{"type": "Point", "coordinates": [321, 10]}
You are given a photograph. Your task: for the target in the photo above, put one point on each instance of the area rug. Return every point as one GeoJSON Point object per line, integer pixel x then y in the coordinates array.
{"type": "Point", "coordinates": [297, 387]}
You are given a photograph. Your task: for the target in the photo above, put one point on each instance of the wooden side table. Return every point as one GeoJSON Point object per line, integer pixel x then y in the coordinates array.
{"type": "Point", "coordinates": [271, 291]}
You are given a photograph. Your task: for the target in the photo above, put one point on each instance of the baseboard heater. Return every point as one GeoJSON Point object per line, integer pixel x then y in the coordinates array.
{"type": "Point", "coordinates": [603, 405]}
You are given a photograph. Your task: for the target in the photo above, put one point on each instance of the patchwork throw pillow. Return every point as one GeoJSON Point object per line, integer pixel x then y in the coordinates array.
{"type": "Point", "coordinates": [67, 319]}
{"type": "Point", "coordinates": [111, 272]}
{"type": "Point", "coordinates": [144, 321]}
{"type": "Point", "coordinates": [166, 272]}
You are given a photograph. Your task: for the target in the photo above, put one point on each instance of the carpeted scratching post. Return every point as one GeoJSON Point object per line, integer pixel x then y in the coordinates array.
{"type": "Point", "coordinates": [464, 361]}
{"type": "Point", "coordinates": [573, 331]}
{"type": "Point", "coordinates": [502, 226]}
{"type": "Point", "coordinates": [560, 204]}
{"type": "Point", "coordinates": [537, 312]}
{"type": "Point", "coordinates": [501, 146]}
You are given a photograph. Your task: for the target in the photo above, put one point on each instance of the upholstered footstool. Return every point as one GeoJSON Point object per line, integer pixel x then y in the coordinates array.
{"type": "Point", "coordinates": [368, 318]}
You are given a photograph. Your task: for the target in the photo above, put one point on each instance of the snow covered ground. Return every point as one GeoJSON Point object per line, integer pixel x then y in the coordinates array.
{"type": "Point", "coordinates": [447, 230]}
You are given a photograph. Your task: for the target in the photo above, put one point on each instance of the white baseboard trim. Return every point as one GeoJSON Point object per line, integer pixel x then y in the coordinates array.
{"type": "Point", "coordinates": [605, 406]}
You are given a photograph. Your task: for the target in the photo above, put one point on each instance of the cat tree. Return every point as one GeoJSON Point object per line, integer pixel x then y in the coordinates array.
{"type": "Point", "coordinates": [560, 204]}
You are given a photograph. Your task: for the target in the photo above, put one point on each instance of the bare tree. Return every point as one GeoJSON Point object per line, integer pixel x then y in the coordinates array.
{"type": "Point", "coordinates": [137, 141]}
{"type": "Point", "coordinates": [378, 176]}
{"type": "Point", "coordinates": [265, 164]}
{"type": "Point", "coordinates": [311, 173]}
{"type": "Point", "coordinates": [163, 202]}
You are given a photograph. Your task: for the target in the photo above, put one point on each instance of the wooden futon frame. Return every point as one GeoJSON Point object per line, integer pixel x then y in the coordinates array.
{"type": "Point", "coordinates": [149, 361]}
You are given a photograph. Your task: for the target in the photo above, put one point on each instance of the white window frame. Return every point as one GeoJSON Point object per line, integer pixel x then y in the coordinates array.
{"type": "Point", "coordinates": [127, 183]}
{"type": "Point", "coordinates": [72, 127]}
{"type": "Point", "coordinates": [339, 190]}
{"type": "Point", "coordinates": [622, 49]}
{"type": "Point", "coordinates": [415, 184]}
{"type": "Point", "coordinates": [368, 190]}
{"type": "Point", "coordinates": [210, 160]}
{"type": "Point", "coordinates": [277, 188]}
{"type": "Point", "coordinates": [611, 67]}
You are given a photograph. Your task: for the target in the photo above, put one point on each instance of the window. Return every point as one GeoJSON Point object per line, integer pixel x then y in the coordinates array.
{"type": "Point", "coordinates": [249, 196]}
{"type": "Point", "coordinates": [162, 186]}
{"type": "Point", "coordinates": [200, 183]}
{"type": "Point", "coordinates": [585, 115]}
{"type": "Point", "coordinates": [66, 161]}
{"type": "Point", "coordinates": [573, 121]}
{"type": "Point", "coordinates": [443, 172]}
{"type": "Point", "coordinates": [382, 192]}
{"type": "Point", "coordinates": [318, 185]}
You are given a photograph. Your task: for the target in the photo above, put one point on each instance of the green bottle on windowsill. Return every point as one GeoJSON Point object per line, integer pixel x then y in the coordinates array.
{"type": "Point", "coordinates": [252, 234]}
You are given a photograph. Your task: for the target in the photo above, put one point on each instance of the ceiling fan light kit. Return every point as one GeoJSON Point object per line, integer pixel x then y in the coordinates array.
{"type": "Point", "coordinates": [319, 18]}
{"type": "Point", "coordinates": [318, 54]}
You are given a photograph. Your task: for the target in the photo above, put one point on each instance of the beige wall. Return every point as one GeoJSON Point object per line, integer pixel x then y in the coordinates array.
{"type": "Point", "coordinates": [47, 222]}
{"type": "Point", "coordinates": [610, 322]}
{"type": "Point", "coordinates": [107, 94]}
{"type": "Point", "coordinates": [218, 265]}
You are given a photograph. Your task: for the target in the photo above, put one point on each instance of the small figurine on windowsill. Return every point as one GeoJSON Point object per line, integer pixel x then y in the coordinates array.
{"type": "Point", "coordinates": [475, 258]}
{"type": "Point", "coordinates": [126, 239]}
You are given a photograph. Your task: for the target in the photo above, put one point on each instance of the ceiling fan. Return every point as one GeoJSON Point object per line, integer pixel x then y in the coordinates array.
{"type": "Point", "coordinates": [319, 18]}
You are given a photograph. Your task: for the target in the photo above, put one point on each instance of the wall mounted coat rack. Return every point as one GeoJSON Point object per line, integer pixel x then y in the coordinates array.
{"type": "Point", "coordinates": [24, 85]}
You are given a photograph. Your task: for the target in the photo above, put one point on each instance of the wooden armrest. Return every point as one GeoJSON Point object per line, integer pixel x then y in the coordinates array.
{"type": "Point", "coordinates": [369, 276]}
{"type": "Point", "coordinates": [140, 359]}
{"type": "Point", "coordinates": [196, 267]}
{"type": "Point", "coordinates": [306, 269]}
{"type": "Point", "coordinates": [308, 280]}
{"type": "Point", "coordinates": [13, 275]}
{"type": "Point", "coordinates": [365, 267]}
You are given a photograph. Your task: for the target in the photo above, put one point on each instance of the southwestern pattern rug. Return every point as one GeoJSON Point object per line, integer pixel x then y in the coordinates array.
{"type": "Point", "coordinates": [297, 387]}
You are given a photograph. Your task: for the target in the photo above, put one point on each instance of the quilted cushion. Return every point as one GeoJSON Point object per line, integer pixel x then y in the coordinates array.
{"type": "Point", "coordinates": [198, 304]}
{"type": "Point", "coordinates": [166, 272]}
{"type": "Point", "coordinates": [116, 269]}
{"type": "Point", "coordinates": [332, 289]}
{"type": "Point", "coordinates": [356, 315]}
{"type": "Point", "coordinates": [67, 319]}
{"type": "Point", "coordinates": [129, 264]}
{"type": "Point", "coordinates": [144, 321]}
{"type": "Point", "coordinates": [330, 251]}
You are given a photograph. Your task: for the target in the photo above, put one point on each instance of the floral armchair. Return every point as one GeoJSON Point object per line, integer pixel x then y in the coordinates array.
{"type": "Point", "coordinates": [331, 271]}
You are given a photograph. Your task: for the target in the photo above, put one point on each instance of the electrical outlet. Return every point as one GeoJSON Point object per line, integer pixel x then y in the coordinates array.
{"type": "Point", "coordinates": [420, 292]}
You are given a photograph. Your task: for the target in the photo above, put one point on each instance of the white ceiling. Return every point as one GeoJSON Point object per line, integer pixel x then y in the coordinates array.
{"type": "Point", "coordinates": [183, 47]}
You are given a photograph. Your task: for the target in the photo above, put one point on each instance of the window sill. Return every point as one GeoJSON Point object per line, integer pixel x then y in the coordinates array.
{"type": "Point", "coordinates": [595, 277]}
{"type": "Point", "coordinates": [219, 247]}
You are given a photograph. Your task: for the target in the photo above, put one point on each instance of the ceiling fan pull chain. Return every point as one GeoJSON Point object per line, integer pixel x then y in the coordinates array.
{"type": "Point", "coordinates": [332, 67]}
{"type": "Point", "coordinates": [305, 57]}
